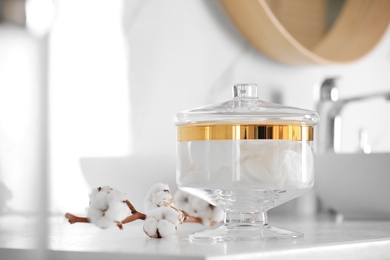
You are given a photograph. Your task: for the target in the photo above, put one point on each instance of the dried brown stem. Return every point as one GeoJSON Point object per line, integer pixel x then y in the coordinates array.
{"type": "Point", "coordinates": [135, 214]}
{"type": "Point", "coordinates": [192, 219]}
{"type": "Point", "coordinates": [131, 207]}
{"type": "Point", "coordinates": [119, 225]}
{"type": "Point", "coordinates": [75, 219]}
{"type": "Point", "coordinates": [133, 217]}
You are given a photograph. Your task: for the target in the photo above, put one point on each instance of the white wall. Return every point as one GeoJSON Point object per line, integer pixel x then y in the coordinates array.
{"type": "Point", "coordinates": [19, 120]}
{"type": "Point", "coordinates": [177, 55]}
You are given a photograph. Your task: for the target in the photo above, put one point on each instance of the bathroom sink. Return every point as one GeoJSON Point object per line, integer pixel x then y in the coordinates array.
{"type": "Point", "coordinates": [355, 185]}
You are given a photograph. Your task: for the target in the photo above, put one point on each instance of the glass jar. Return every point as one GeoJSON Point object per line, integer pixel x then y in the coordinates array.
{"type": "Point", "coordinates": [245, 156]}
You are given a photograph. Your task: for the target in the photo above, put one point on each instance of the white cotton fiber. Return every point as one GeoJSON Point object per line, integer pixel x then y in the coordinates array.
{"type": "Point", "coordinates": [175, 217]}
{"type": "Point", "coordinates": [98, 197]}
{"type": "Point", "coordinates": [107, 207]}
{"type": "Point", "coordinates": [163, 198]}
{"type": "Point", "coordinates": [158, 196]}
{"type": "Point", "coordinates": [117, 209]}
{"type": "Point", "coordinates": [150, 227]}
{"type": "Point", "coordinates": [94, 214]}
{"type": "Point", "coordinates": [104, 222]}
{"type": "Point", "coordinates": [166, 213]}
{"type": "Point", "coordinates": [163, 221]}
{"type": "Point", "coordinates": [115, 195]}
{"type": "Point", "coordinates": [166, 228]}
{"type": "Point", "coordinates": [197, 207]}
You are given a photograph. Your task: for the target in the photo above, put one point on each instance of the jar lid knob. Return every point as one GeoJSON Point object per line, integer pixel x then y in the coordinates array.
{"type": "Point", "coordinates": [245, 90]}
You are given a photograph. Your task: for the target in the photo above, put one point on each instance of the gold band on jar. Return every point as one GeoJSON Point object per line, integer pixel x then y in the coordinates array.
{"type": "Point", "coordinates": [245, 132]}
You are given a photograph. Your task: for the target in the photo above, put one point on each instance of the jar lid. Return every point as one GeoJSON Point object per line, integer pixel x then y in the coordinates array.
{"type": "Point", "coordinates": [245, 117]}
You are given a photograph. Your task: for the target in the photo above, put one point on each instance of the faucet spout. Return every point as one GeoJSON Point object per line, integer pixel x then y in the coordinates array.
{"type": "Point", "coordinates": [329, 107]}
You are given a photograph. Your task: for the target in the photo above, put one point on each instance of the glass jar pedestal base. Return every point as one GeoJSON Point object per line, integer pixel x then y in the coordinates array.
{"type": "Point", "coordinates": [244, 226]}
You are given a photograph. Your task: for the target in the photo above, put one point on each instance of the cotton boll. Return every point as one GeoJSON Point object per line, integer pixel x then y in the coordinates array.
{"type": "Point", "coordinates": [156, 213]}
{"type": "Point", "coordinates": [98, 218]}
{"type": "Point", "coordinates": [162, 198]}
{"type": "Point", "coordinates": [158, 195]}
{"type": "Point", "coordinates": [201, 209]}
{"type": "Point", "coordinates": [107, 207]}
{"type": "Point", "coordinates": [175, 217]}
{"type": "Point", "coordinates": [172, 215]}
{"type": "Point", "coordinates": [181, 199]}
{"type": "Point", "coordinates": [198, 204]}
{"type": "Point", "coordinates": [168, 213]}
{"type": "Point", "coordinates": [104, 223]}
{"type": "Point", "coordinates": [197, 207]}
{"type": "Point", "coordinates": [150, 227]}
{"type": "Point", "coordinates": [162, 222]}
{"type": "Point", "coordinates": [98, 197]}
{"type": "Point", "coordinates": [205, 216]}
{"type": "Point", "coordinates": [166, 228]}
{"type": "Point", "coordinates": [93, 214]}
{"type": "Point", "coordinates": [115, 196]}
{"type": "Point", "coordinates": [117, 211]}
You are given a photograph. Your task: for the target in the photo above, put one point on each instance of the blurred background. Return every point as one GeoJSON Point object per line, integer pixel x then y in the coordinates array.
{"type": "Point", "coordinates": [92, 86]}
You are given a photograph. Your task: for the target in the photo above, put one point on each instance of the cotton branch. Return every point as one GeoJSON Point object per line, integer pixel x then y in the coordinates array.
{"type": "Point", "coordinates": [135, 215]}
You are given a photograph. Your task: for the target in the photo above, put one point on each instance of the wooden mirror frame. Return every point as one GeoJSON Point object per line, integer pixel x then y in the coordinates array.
{"type": "Point", "coordinates": [358, 28]}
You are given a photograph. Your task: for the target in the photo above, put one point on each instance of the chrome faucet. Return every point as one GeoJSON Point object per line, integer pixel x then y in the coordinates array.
{"type": "Point", "coordinates": [329, 107]}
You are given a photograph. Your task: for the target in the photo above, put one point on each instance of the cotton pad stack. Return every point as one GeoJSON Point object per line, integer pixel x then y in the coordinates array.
{"type": "Point", "coordinates": [259, 164]}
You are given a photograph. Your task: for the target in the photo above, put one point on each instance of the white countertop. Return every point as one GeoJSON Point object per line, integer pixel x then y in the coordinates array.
{"type": "Point", "coordinates": [324, 239]}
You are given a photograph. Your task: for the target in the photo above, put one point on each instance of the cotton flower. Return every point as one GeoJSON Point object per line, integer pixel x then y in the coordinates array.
{"type": "Point", "coordinates": [106, 208]}
{"type": "Point", "coordinates": [158, 196]}
{"type": "Point", "coordinates": [97, 198]}
{"type": "Point", "coordinates": [197, 207]}
{"type": "Point", "coordinates": [162, 222]}
{"type": "Point", "coordinates": [109, 207]}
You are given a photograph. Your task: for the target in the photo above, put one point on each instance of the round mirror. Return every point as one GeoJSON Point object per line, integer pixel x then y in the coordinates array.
{"type": "Point", "coordinates": [311, 31]}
